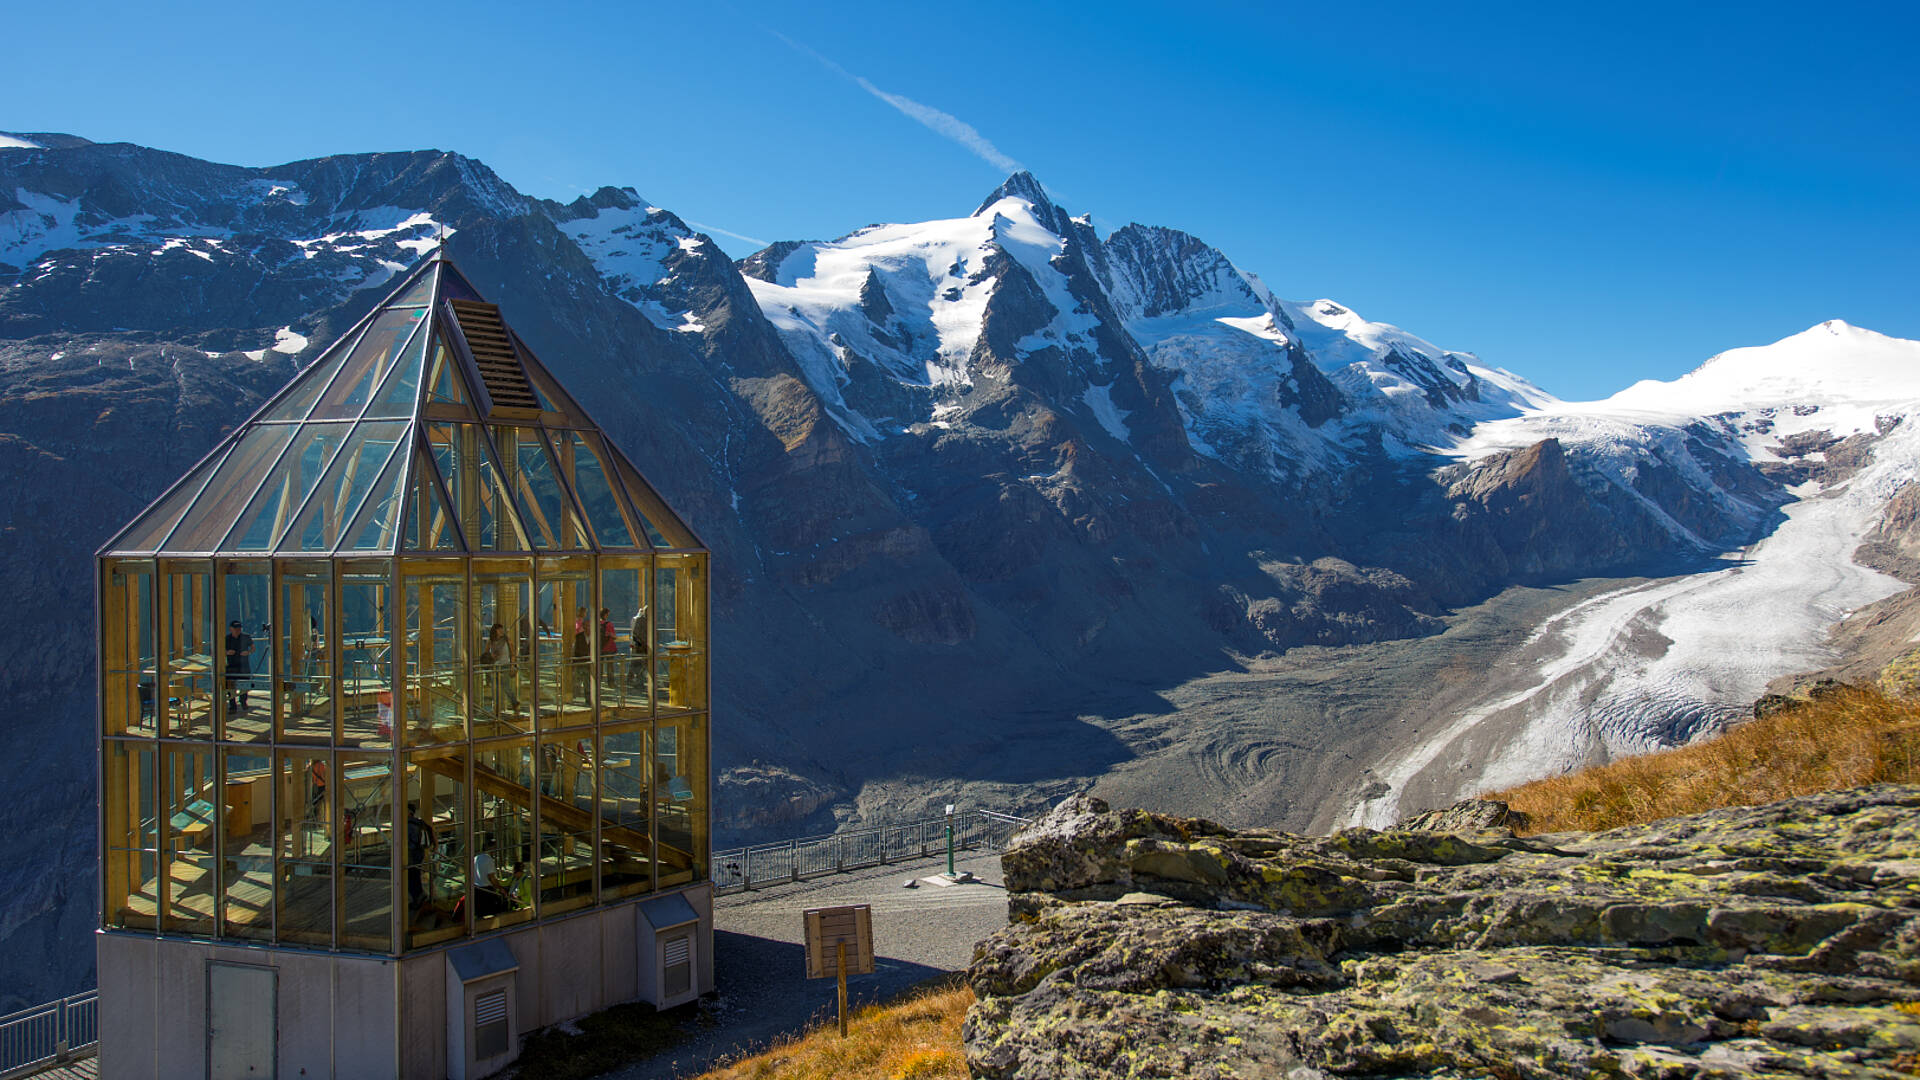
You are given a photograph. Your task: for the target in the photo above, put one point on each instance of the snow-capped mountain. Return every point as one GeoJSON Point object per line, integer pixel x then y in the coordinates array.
{"type": "Point", "coordinates": [1828, 413]}
{"type": "Point", "coordinates": [1258, 382]}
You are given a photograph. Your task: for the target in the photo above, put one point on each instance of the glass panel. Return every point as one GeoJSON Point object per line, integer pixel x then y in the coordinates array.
{"type": "Point", "coordinates": [566, 822]}
{"type": "Point", "coordinates": [546, 513]}
{"type": "Point", "coordinates": [186, 641]}
{"type": "Point", "coordinates": [366, 655]}
{"type": "Point", "coordinates": [680, 631]}
{"type": "Point", "coordinates": [127, 649]}
{"type": "Point", "coordinates": [584, 466]}
{"type": "Point", "coordinates": [503, 661]}
{"type": "Point", "coordinates": [377, 526]}
{"type": "Point", "coordinates": [476, 486]}
{"type": "Point", "coordinates": [625, 644]}
{"type": "Point", "coordinates": [366, 852]}
{"type": "Point", "coordinates": [430, 523]}
{"type": "Point", "coordinates": [132, 819]}
{"type": "Point", "coordinates": [373, 358]}
{"type": "Point", "coordinates": [626, 804]}
{"type": "Point", "coordinates": [680, 798]}
{"type": "Point", "coordinates": [247, 850]}
{"type": "Point", "coordinates": [438, 860]}
{"type": "Point", "coordinates": [448, 388]}
{"type": "Point", "coordinates": [226, 495]}
{"type": "Point", "coordinates": [299, 469]}
{"type": "Point", "coordinates": [189, 816]}
{"type": "Point", "coordinates": [246, 651]}
{"type": "Point", "coordinates": [567, 635]}
{"type": "Point", "coordinates": [348, 479]}
{"type": "Point", "coordinates": [650, 510]}
{"type": "Point", "coordinates": [303, 650]}
{"type": "Point", "coordinates": [552, 396]}
{"type": "Point", "coordinates": [306, 809]}
{"type": "Point", "coordinates": [309, 384]}
{"type": "Point", "coordinates": [420, 292]}
{"type": "Point", "coordinates": [434, 694]}
{"type": "Point", "coordinates": [399, 389]}
{"type": "Point", "coordinates": [502, 833]}
{"type": "Point", "coordinates": [149, 531]}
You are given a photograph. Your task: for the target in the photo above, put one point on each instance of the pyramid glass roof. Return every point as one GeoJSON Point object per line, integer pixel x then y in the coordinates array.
{"type": "Point", "coordinates": [428, 427]}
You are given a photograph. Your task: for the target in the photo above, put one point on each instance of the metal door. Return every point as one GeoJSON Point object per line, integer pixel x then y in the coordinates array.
{"type": "Point", "coordinates": [240, 1021]}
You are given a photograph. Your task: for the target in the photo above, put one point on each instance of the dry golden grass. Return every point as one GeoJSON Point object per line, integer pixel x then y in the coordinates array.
{"type": "Point", "coordinates": [1844, 739]}
{"type": "Point", "coordinates": [914, 1039]}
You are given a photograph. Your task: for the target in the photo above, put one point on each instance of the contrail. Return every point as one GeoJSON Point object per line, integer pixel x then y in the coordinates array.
{"type": "Point", "coordinates": [729, 232]}
{"type": "Point", "coordinates": [941, 123]}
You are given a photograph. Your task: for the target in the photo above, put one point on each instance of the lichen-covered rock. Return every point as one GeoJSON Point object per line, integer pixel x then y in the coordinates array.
{"type": "Point", "coordinates": [1468, 815]}
{"type": "Point", "coordinates": [1780, 940]}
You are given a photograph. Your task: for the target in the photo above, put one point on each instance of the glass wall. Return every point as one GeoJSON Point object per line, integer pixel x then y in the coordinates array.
{"type": "Point", "coordinates": [680, 632]}
{"type": "Point", "coordinates": [624, 675]}
{"type": "Point", "coordinates": [504, 635]}
{"type": "Point", "coordinates": [127, 658]}
{"type": "Point", "coordinates": [246, 651]}
{"type": "Point", "coordinates": [434, 698]}
{"type": "Point", "coordinates": [438, 859]}
{"type": "Point", "coordinates": [333, 752]}
{"type": "Point", "coordinates": [304, 651]}
{"type": "Point", "coordinates": [366, 654]}
{"type": "Point", "coordinates": [567, 640]}
{"type": "Point", "coordinates": [503, 836]}
{"type": "Point", "coordinates": [186, 647]}
{"type": "Point", "coordinates": [246, 844]}
{"type": "Point", "coordinates": [365, 820]}
{"type": "Point", "coordinates": [187, 821]}
{"type": "Point", "coordinates": [625, 764]}
{"type": "Point", "coordinates": [307, 806]}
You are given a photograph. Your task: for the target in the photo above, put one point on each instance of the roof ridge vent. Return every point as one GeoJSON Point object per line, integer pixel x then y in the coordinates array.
{"type": "Point", "coordinates": [494, 356]}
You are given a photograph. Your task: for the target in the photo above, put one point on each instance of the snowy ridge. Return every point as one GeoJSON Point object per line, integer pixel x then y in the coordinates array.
{"type": "Point", "coordinates": [1657, 664]}
{"type": "Point", "coordinates": [1832, 378]}
{"type": "Point", "coordinates": [631, 243]}
{"type": "Point", "coordinates": [377, 242]}
{"type": "Point", "coordinates": [911, 299]}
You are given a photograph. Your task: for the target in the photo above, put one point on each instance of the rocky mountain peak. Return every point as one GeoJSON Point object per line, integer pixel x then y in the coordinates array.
{"type": "Point", "coordinates": [1021, 185]}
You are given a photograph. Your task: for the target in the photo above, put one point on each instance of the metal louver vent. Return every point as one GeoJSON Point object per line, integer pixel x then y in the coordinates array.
{"type": "Point", "coordinates": [676, 970]}
{"type": "Point", "coordinates": [493, 354]}
{"type": "Point", "coordinates": [490, 1024]}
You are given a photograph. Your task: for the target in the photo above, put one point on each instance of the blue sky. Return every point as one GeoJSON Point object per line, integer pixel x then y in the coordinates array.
{"type": "Point", "coordinates": [1587, 197]}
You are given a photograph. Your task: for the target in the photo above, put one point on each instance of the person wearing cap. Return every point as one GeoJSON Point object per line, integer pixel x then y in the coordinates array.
{"type": "Point", "coordinates": [239, 664]}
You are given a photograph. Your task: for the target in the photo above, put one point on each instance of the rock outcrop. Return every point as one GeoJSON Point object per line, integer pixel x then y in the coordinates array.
{"type": "Point", "coordinates": [1780, 940]}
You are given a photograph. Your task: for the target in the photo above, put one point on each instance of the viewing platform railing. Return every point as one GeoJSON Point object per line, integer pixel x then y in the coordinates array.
{"type": "Point", "coordinates": [757, 865]}
{"type": "Point", "coordinates": [46, 1035]}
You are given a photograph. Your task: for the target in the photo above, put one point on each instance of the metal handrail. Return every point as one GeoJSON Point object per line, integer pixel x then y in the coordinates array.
{"type": "Point", "coordinates": [62, 1030]}
{"type": "Point", "coordinates": [803, 857]}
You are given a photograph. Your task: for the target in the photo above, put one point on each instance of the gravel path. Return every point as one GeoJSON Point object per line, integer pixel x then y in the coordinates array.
{"type": "Point", "coordinates": [759, 959]}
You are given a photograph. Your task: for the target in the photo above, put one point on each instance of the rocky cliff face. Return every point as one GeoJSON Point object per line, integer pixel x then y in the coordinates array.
{"type": "Point", "coordinates": [1781, 940]}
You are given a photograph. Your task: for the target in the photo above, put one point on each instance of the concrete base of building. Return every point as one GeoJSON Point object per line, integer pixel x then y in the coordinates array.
{"type": "Point", "coordinates": [175, 1006]}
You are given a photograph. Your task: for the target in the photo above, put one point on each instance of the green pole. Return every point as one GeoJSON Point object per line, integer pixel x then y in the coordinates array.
{"type": "Point", "coordinates": [950, 872]}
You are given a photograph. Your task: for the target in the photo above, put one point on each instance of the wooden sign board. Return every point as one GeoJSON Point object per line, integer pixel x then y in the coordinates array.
{"type": "Point", "coordinates": [829, 928]}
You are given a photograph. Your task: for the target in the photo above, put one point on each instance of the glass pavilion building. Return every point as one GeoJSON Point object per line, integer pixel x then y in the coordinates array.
{"type": "Point", "coordinates": [404, 722]}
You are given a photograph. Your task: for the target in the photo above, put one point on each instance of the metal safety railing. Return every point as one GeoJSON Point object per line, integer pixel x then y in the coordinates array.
{"type": "Point", "coordinates": [63, 1030]}
{"type": "Point", "coordinates": [880, 845]}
